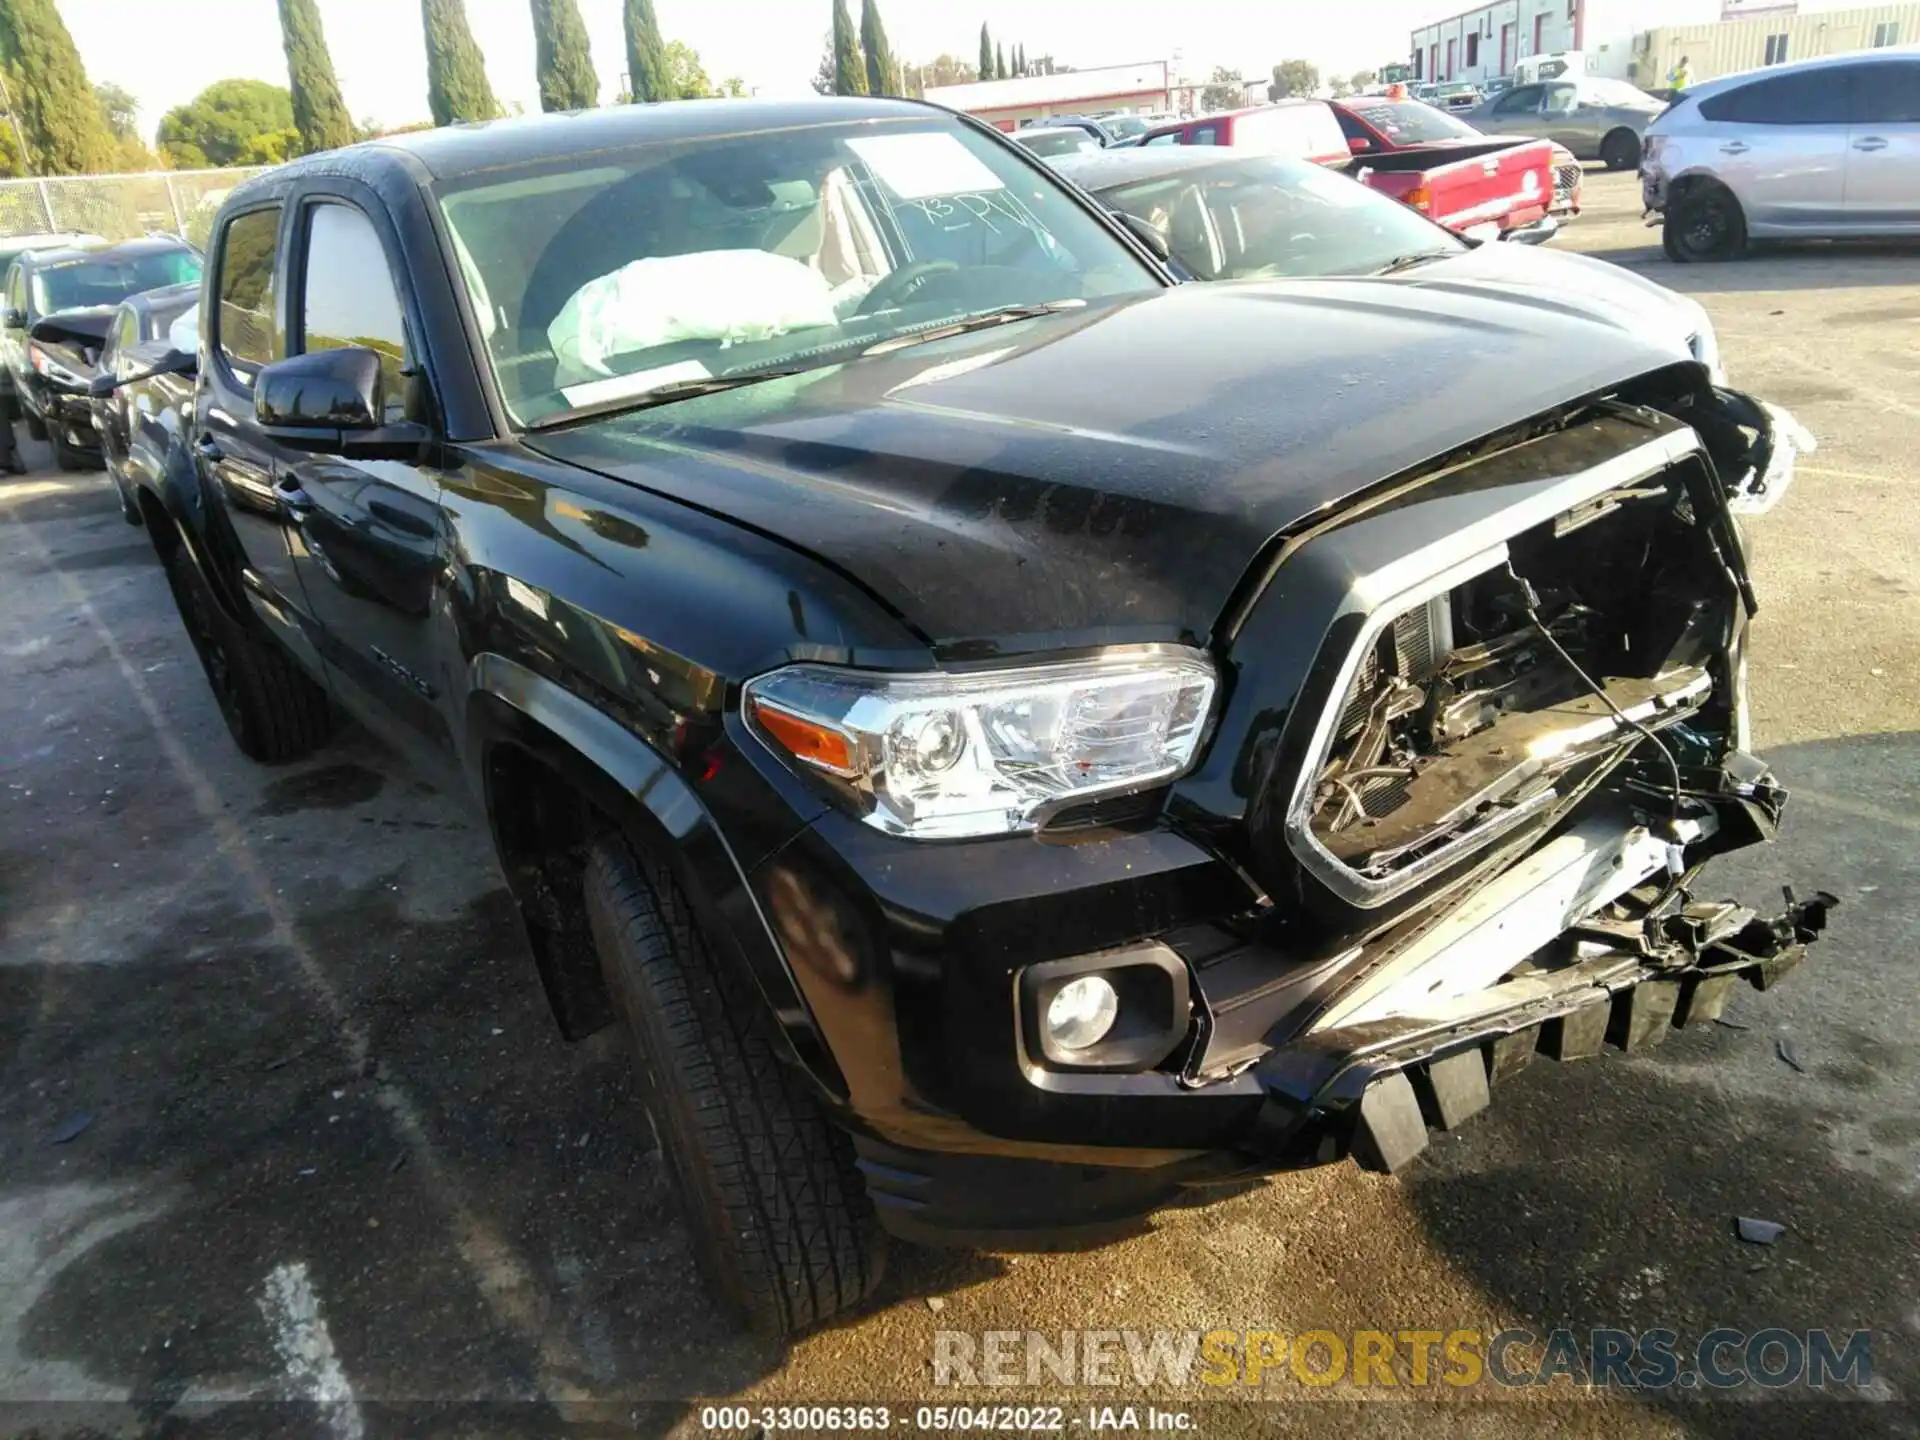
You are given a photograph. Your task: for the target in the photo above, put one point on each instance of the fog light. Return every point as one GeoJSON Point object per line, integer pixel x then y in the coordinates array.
{"type": "Point", "coordinates": [1082, 1011]}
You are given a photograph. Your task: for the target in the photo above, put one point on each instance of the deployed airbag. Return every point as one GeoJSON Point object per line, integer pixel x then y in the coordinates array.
{"type": "Point", "coordinates": [721, 295]}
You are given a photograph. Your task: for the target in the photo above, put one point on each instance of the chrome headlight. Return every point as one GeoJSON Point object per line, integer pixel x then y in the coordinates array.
{"type": "Point", "coordinates": [939, 755]}
{"type": "Point", "coordinates": [1705, 345]}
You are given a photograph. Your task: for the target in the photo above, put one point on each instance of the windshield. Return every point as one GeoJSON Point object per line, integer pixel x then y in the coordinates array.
{"type": "Point", "coordinates": [1057, 142]}
{"type": "Point", "coordinates": [597, 279]}
{"type": "Point", "coordinates": [107, 280]}
{"type": "Point", "coordinates": [1617, 92]}
{"type": "Point", "coordinates": [1263, 217]}
{"type": "Point", "coordinates": [1454, 87]}
{"type": "Point", "coordinates": [1124, 127]}
{"type": "Point", "coordinates": [1408, 122]}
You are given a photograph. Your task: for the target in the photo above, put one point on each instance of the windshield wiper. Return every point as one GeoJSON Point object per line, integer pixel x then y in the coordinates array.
{"type": "Point", "coordinates": [986, 319]}
{"type": "Point", "coordinates": [666, 395]}
{"type": "Point", "coordinates": [1407, 262]}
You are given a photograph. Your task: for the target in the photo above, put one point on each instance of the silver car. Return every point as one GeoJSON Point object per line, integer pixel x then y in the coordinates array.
{"type": "Point", "coordinates": [1596, 119]}
{"type": "Point", "coordinates": [1826, 148]}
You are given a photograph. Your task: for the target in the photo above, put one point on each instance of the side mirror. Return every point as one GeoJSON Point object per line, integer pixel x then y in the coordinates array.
{"type": "Point", "coordinates": [1144, 233]}
{"type": "Point", "coordinates": [330, 402]}
{"type": "Point", "coordinates": [174, 362]}
{"type": "Point", "coordinates": [1357, 145]}
{"type": "Point", "coordinates": [14, 318]}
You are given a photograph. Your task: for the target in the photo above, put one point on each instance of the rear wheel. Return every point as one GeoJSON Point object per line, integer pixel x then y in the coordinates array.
{"type": "Point", "coordinates": [781, 1222]}
{"type": "Point", "coordinates": [1620, 150]}
{"type": "Point", "coordinates": [1704, 224]}
{"type": "Point", "coordinates": [66, 457]}
{"type": "Point", "coordinates": [273, 709]}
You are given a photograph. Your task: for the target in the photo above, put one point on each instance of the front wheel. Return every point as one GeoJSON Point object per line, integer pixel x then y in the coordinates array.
{"type": "Point", "coordinates": [1704, 224]}
{"type": "Point", "coordinates": [68, 458]}
{"type": "Point", "coordinates": [1620, 150]}
{"type": "Point", "coordinates": [781, 1222]}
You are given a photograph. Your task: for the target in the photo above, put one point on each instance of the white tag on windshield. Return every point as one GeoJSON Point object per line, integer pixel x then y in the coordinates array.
{"type": "Point", "coordinates": [619, 387]}
{"type": "Point", "coordinates": [924, 164]}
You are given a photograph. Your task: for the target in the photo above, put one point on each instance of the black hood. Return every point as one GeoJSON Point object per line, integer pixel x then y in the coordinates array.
{"type": "Point", "coordinates": [79, 334]}
{"type": "Point", "coordinates": [1108, 475]}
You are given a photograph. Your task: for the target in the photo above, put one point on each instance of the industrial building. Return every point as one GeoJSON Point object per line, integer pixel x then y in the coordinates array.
{"type": "Point", "coordinates": [1007, 104]}
{"type": "Point", "coordinates": [1641, 40]}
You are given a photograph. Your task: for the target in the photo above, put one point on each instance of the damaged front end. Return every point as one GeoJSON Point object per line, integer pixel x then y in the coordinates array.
{"type": "Point", "coordinates": [1485, 820]}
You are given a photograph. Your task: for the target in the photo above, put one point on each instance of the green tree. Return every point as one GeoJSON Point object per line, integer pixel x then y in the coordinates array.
{"type": "Point", "coordinates": [849, 69]}
{"type": "Point", "coordinates": [457, 87]}
{"type": "Point", "coordinates": [1224, 91]}
{"type": "Point", "coordinates": [52, 101]}
{"type": "Point", "coordinates": [941, 70]}
{"type": "Point", "coordinates": [562, 58]}
{"type": "Point", "coordinates": [986, 54]}
{"type": "Point", "coordinates": [121, 112]}
{"type": "Point", "coordinates": [1363, 80]}
{"type": "Point", "coordinates": [218, 125]}
{"type": "Point", "coordinates": [686, 76]}
{"type": "Point", "coordinates": [319, 114]}
{"type": "Point", "coordinates": [883, 70]}
{"type": "Point", "coordinates": [822, 81]}
{"type": "Point", "coordinates": [1292, 78]}
{"type": "Point", "coordinates": [646, 52]}
{"type": "Point", "coordinates": [1019, 59]}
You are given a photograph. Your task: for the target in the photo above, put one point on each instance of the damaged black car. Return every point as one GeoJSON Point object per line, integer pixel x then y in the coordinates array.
{"type": "Point", "coordinates": [1012, 738]}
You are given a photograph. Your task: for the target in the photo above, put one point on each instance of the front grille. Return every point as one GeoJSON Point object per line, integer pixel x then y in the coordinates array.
{"type": "Point", "coordinates": [1566, 179]}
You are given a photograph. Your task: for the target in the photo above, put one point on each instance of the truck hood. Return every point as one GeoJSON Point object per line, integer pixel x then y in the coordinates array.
{"type": "Point", "coordinates": [1107, 475]}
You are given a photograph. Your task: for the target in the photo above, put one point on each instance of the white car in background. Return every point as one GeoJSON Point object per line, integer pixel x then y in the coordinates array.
{"type": "Point", "coordinates": [1821, 149]}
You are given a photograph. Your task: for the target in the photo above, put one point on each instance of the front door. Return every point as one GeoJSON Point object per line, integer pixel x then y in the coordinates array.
{"type": "Point", "coordinates": [1883, 154]}
{"type": "Point", "coordinates": [1781, 145]}
{"type": "Point", "coordinates": [233, 461]}
{"type": "Point", "coordinates": [1515, 113]}
{"type": "Point", "coordinates": [367, 537]}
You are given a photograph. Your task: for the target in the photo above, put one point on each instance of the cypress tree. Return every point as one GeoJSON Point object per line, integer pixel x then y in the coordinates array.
{"type": "Point", "coordinates": [319, 114]}
{"type": "Point", "coordinates": [65, 132]}
{"type": "Point", "coordinates": [1020, 64]}
{"type": "Point", "coordinates": [986, 54]}
{"type": "Point", "coordinates": [883, 71]}
{"type": "Point", "coordinates": [457, 87]}
{"type": "Point", "coordinates": [562, 58]}
{"type": "Point", "coordinates": [999, 62]}
{"type": "Point", "coordinates": [646, 53]}
{"type": "Point", "coordinates": [849, 70]}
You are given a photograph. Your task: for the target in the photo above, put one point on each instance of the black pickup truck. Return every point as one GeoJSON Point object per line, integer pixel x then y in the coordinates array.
{"type": "Point", "coordinates": [1013, 739]}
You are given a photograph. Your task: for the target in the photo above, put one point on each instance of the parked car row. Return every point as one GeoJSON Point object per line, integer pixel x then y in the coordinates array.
{"type": "Point", "coordinates": [61, 304]}
{"type": "Point", "coordinates": [995, 800]}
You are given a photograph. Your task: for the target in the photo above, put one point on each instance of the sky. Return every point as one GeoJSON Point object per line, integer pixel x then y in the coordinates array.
{"type": "Point", "coordinates": [165, 55]}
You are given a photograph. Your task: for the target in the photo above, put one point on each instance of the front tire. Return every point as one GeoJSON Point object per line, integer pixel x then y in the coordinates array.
{"type": "Point", "coordinates": [1703, 225]}
{"type": "Point", "coordinates": [66, 457]}
{"type": "Point", "coordinates": [781, 1222]}
{"type": "Point", "coordinates": [1620, 151]}
{"type": "Point", "coordinates": [273, 709]}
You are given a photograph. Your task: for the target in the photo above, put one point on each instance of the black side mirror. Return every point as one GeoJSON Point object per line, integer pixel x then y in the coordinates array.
{"type": "Point", "coordinates": [331, 402]}
{"type": "Point", "coordinates": [174, 362]}
{"type": "Point", "coordinates": [14, 318]}
{"type": "Point", "coordinates": [1144, 233]}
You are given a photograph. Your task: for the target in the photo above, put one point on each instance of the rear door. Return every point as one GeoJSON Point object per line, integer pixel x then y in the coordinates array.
{"type": "Point", "coordinates": [1781, 145]}
{"type": "Point", "coordinates": [1883, 154]}
{"type": "Point", "coordinates": [367, 537]}
{"type": "Point", "coordinates": [247, 332]}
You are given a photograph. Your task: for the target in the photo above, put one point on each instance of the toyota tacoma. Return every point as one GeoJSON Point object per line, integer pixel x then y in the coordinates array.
{"type": "Point", "coordinates": [999, 801]}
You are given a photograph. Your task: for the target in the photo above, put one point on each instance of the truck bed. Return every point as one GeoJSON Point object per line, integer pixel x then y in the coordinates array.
{"type": "Point", "coordinates": [1479, 188]}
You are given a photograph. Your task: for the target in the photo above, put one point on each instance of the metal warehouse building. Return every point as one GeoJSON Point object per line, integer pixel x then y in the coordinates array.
{"type": "Point", "coordinates": [1640, 40]}
{"type": "Point", "coordinates": [1008, 103]}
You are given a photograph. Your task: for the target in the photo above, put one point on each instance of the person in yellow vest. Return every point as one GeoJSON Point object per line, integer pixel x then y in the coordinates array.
{"type": "Point", "coordinates": [1681, 76]}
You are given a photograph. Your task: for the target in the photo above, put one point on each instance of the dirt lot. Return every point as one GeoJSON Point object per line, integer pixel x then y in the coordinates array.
{"type": "Point", "coordinates": [333, 1147]}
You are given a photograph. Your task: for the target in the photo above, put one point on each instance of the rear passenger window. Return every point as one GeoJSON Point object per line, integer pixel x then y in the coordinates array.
{"type": "Point", "coordinates": [1812, 97]}
{"type": "Point", "coordinates": [246, 329]}
{"type": "Point", "coordinates": [1887, 94]}
{"type": "Point", "coordinates": [350, 297]}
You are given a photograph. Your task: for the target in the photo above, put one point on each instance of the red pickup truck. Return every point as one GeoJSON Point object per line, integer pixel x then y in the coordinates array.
{"type": "Point", "coordinates": [1473, 183]}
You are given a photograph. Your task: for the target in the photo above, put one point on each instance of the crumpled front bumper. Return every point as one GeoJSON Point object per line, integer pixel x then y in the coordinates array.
{"type": "Point", "coordinates": [1375, 1090]}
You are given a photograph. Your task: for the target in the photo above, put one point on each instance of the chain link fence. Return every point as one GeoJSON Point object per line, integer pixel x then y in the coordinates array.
{"type": "Point", "coordinates": [119, 207]}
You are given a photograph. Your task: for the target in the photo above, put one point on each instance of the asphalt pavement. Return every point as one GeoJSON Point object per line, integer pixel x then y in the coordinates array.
{"type": "Point", "coordinates": [282, 1113]}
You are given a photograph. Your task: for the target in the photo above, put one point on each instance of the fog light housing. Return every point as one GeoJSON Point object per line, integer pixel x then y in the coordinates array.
{"type": "Point", "coordinates": [1112, 1010]}
{"type": "Point", "coordinates": [1081, 1012]}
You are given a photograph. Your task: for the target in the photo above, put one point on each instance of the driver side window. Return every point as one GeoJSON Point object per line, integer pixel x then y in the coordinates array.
{"type": "Point", "coordinates": [1561, 99]}
{"type": "Point", "coordinates": [1522, 100]}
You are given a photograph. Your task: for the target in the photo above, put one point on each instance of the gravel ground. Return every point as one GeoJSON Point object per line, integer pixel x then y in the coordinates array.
{"type": "Point", "coordinates": [333, 1147]}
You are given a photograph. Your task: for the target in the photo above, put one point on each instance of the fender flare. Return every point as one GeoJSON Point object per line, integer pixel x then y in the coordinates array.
{"type": "Point", "coordinates": [640, 790]}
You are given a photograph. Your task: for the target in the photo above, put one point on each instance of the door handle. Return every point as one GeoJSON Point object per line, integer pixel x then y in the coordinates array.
{"type": "Point", "coordinates": [1870, 142]}
{"type": "Point", "coordinates": [1738, 147]}
{"type": "Point", "coordinates": [298, 503]}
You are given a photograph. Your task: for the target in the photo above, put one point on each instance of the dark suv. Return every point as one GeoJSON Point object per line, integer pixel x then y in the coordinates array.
{"type": "Point", "coordinates": [995, 800]}
{"type": "Point", "coordinates": [49, 376]}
